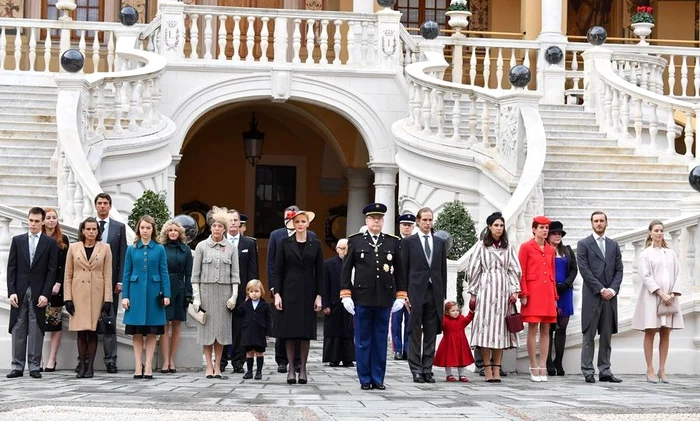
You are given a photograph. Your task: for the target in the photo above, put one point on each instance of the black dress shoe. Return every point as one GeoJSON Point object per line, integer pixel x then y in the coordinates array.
{"type": "Point", "coordinates": [333, 364]}
{"type": "Point", "coordinates": [378, 386]}
{"type": "Point", "coordinates": [398, 355]}
{"type": "Point", "coordinates": [238, 369]}
{"type": "Point", "coordinates": [404, 356]}
{"type": "Point", "coordinates": [248, 375]}
{"type": "Point", "coordinates": [112, 367]}
{"type": "Point", "coordinates": [609, 378]}
{"type": "Point", "coordinates": [348, 364]}
{"type": "Point", "coordinates": [561, 372]}
{"type": "Point", "coordinates": [282, 368]}
{"type": "Point", "coordinates": [428, 378]}
{"type": "Point", "coordinates": [551, 372]}
{"type": "Point", "coordinates": [590, 378]}
{"type": "Point", "coordinates": [35, 374]}
{"type": "Point", "coordinates": [418, 378]}
{"type": "Point", "coordinates": [14, 373]}
{"type": "Point", "coordinates": [364, 386]}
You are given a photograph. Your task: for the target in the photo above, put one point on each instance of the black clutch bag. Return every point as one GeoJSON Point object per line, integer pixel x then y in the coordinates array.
{"type": "Point", "coordinates": [106, 325]}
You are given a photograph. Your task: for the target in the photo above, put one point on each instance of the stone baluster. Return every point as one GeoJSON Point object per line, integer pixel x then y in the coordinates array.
{"type": "Point", "coordinates": [574, 67]}
{"type": "Point", "coordinates": [671, 75]}
{"type": "Point", "coordinates": [3, 48]}
{"type": "Point", "coordinates": [472, 66]}
{"type": "Point", "coordinates": [653, 126]}
{"type": "Point", "coordinates": [96, 52]}
{"type": "Point", "coordinates": [670, 132]}
{"type": "Point", "coordinates": [440, 99]}
{"type": "Point", "coordinates": [425, 110]}
{"type": "Point", "coordinates": [91, 113]}
{"type": "Point", "coordinates": [32, 49]}
{"type": "Point", "coordinates": [688, 134]}
{"type": "Point", "coordinates": [155, 100]}
{"type": "Point", "coordinates": [87, 206]}
{"type": "Point", "coordinates": [236, 38]}
{"type": "Point", "coordinates": [133, 105]}
{"type": "Point", "coordinates": [456, 117]}
{"type": "Point", "coordinates": [194, 37]}
{"type": "Point", "coordinates": [82, 46]}
{"type": "Point", "coordinates": [497, 126]}
{"type": "Point", "coordinates": [615, 110]}
{"type": "Point", "coordinates": [645, 76]}
{"type": "Point", "coordinates": [364, 44]}
{"type": "Point", "coordinates": [110, 52]}
{"type": "Point", "coordinates": [487, 67]}
{"type": "Point", "coordinates": [146, 103]}
{"type": "Point", "coordinates": [417, 101]}
{"type": "Point", "coordinates": [608, 108]}
{"type": "Point", "coordinates": [624, 116]}
{"type": "Point", "coordinates": [652, 78]}
{"type": "Point", "coordinates": [684, 76]}
{"type": "Point", "coordinates": [100, 109]}
{"type": "Point", "coordinates": [250, 39]}
{"type": "Point", "coordinates": [371, 56]}
{"type": "Point", "coordinates": [264, 35]}
{"type": "Point", "coordinates": [499, 68]}
{"type": "Point", "coordinates": [408, 122]}
{"type": "Point", "coordinates": [638, 121]}
{"type": "Point", "coordinates": [70, 187]}
{"type": "Point", "coordinates": [690, 254]}
{"type": "Point", "coordinates": [310, 38]}
{"type": "Point", "coordinates": [5, 242]}
{"type": "Point", "coordinates": [207, 36]}
{"type": "Point", "coordinates": [118, 128]}
{"type": "Point", "coordinates": [526, 62]}
{"type": "Point", "coordinates": [472, 121]}
{"type": "Point", "coordinates": [485, 125]}
{"type": "Point", "coordinates": [676, 241]}
{"type": "Point", "coordinates": [337, 46]}
{"type": "Point", "coordinates": [628, 292]}
{"type": "Point", "coordinates": [222, 37]}
{"type": "Point", "coordinates": [18, 48]}
{"type": "Point", "coordinates": [296, 41]}
{"type": "Point", "coordinates": [78, 199]}
{"type": "Point", "coordinates": [633, 74]}
{"type": "Point", "coordinates": [47, 53]}
{"type": "Point", "coordinates": [281, 40]}
{"type": "Point", "coordinates": [696, 76]}
{"type": "Point", "coordinates": [324, 41]}
{"type": "Point", "coordinates": [351, 43]}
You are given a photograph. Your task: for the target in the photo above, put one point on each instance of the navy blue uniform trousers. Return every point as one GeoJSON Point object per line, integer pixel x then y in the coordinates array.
{"type": "Point", "coordinates": [371, 331]}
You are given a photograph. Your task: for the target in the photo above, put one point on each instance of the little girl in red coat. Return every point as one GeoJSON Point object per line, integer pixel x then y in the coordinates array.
{"type": "Point", "coordinates": [454, 350]}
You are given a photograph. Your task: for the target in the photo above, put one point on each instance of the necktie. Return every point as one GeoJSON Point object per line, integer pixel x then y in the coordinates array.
{"type": "Point", "coordinates": [426, 246]}
{"type": "Point", "coordinates": [375, 238]}
{"type": "Point", "coordinates": [32, 247]}
{"type": "Point", "coordinates": [234, 240]}
{"type": "Point", "coordinates": [601, 244]}
{"type": "Point", "coordinates": [102, 226]}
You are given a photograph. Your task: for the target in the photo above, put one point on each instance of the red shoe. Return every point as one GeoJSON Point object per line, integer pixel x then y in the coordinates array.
{"type": "Point", "coordinates": [450, 379]}
{"type": "Point", "coordinates": [463, 379]}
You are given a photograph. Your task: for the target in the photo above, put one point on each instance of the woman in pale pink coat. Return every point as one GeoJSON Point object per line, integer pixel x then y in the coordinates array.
{"type": "Point", "coordinates": [658, 306]}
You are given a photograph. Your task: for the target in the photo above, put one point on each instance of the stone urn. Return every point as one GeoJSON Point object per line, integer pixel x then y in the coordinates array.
{"type": "Point", "coordinates": [642, 30]}
{"type": "Point", "coordinates": [458, 19]}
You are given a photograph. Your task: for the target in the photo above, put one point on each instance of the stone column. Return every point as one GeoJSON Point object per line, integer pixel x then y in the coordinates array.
{"type": "Point", "coordinates": [551, 78]}
{"type": "Point", "coordinates": [551, 17]}
{"type": "Point", "coordinates": [358, 197]}
{"type": "Point", "coordinates": [172, 169]}
{"type": "Point", "coordinates": [385, 191]}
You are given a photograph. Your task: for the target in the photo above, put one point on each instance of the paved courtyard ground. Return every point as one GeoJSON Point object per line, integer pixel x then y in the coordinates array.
{"type": "Point", "coordinates": [334, 394]}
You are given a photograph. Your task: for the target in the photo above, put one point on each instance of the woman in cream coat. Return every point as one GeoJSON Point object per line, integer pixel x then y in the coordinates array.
{"type": "Point", "coordinates": [658, 307]}
{"type": "Point", "coordinates": [87, 290]}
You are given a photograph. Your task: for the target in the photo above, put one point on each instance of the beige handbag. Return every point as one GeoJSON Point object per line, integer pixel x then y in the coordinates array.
{"type": "Point", "coordinates": [200, 316]}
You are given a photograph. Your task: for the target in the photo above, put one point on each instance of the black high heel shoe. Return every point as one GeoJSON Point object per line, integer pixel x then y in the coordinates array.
{"type": "Point", "coordinates": [302, 377]}
{"type": "Point", "coordinates": [292, 379]}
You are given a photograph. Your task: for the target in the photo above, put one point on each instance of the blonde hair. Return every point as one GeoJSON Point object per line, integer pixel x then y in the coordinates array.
{"type": "Point", "coordinates": [166, 227]}
{"type": "Point", "coordinates": [255, 284]}
{"type": "Point", "coordinates": [649, 241]}
{"type": "Point", "coordinates": [217, 214]}
{"type": "Point", "coordinates": [154, 234]}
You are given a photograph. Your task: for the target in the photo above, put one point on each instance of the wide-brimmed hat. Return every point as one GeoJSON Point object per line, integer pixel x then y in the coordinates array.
{"type": "Point", "coordinates": [557, 227]}
{"type": "Point", "coordinates": [309, 214]}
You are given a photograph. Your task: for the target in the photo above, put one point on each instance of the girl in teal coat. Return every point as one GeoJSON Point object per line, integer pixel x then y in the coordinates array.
{"type": "Point", "coordinates": [145, 293]}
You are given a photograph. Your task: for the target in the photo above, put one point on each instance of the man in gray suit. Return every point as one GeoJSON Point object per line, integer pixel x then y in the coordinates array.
{"type": "Point", "coordinates": [600, 264]}
{"type": "Point", "coordinates": [113, 233]}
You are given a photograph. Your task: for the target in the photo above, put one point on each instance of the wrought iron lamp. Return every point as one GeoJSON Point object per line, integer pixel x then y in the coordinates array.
{"type": "Point", "coordinates": [253, 141]}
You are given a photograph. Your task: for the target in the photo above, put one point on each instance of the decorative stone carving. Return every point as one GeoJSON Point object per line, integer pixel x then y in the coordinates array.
{"type": "Point", "coordinates": [314, 5]}
{"type": "Point", "coordinates": [11, 8]}
{"type": "Point", "coordinates": [172, 35]}
{"type": "Point", "coordinates": [508, 134]}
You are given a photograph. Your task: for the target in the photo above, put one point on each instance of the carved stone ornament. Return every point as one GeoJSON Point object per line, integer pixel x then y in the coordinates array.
{"type": "Point", "coordinates": [389, 44]}
{"type": "Point", "coordinates": [172, 35]}
{"type": "Point", "coordinates": [508, 133]}
{"type": "Point", "coordinates": [314, 5]}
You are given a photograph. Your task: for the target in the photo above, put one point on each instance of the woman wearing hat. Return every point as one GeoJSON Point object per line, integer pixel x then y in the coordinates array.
{"type": "Point", "coordinates": [565, 270]}
{"type": "Point", "coordinates": [298, 279]}
{"type": "Point", "coordinates": [538, 294]}
{"type": "Point", "coordinates": [215, 288]}
{"type": "Point", "coordinates": [494, 284]}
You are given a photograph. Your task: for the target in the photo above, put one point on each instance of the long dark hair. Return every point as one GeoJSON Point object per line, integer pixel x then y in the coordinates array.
{"type": "Point", "coordinates": [488, 237]}
{"type": "Point", "coordinates": [81, 236]}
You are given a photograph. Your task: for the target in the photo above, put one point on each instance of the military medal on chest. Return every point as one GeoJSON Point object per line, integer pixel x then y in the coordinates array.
{"type": "Point", "coordinates": [362, 255]}
{"type": "Point", "coordinates": [389, 257]}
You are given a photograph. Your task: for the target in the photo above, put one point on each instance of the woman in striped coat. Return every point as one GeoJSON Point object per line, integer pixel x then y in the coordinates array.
{"type": "Point", "coordinates": [493, 283]}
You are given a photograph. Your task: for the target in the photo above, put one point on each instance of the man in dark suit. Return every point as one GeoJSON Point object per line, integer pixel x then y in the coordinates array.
{"type": "Point", "coordinates": [113, 233]}
{"type": "Point", "coordinates": [373, 278]}
{"type": "Point", "coordinates": [399, 333]}
{"type": "Point", "coordinates": [425, 265]}
{"type": "Point", "coordinates": [247, 270]}
{"type": "Point", "coordinates": [31, 273]}
{"type": "Point", "coordinates": [600, 265]}
{"type": "Point", "coordinates": [275, 237]}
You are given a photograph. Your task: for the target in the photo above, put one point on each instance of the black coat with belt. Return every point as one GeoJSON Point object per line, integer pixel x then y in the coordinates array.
{"type": "Point", "coordinates": [339, 323]}
{"type": "Point", "coordinates": [256, 323]}
{"type": "Point", "coordinates": [419, 273]}
{"type": "Point", "coordinates": [40, 275]}
{"type": "Point", "coordinates": [298, 278]}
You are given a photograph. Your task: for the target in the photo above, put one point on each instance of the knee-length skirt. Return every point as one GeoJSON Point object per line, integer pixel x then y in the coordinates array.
{"type": "Point", "coordinates": [218, 325]}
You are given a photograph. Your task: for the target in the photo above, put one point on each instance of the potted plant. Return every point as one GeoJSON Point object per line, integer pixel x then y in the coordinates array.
{"type": "Point", "coordinates": [458, 14]}
{"type": "Point", "coordinates": [642, 22]}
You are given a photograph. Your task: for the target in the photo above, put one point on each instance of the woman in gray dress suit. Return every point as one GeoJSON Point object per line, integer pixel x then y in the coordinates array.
{"type": "Point", "coordinates": [215, 289]}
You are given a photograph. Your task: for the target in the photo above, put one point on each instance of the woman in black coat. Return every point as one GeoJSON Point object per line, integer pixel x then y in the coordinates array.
{"type": "Point", "coordinates": [54, 311]}
{"type": "Point", "coordinates": [179, 257]}
{"type": "Point", "coordinates": [338, 332]}
{"type": "Point", "coordinates": [298, 282]}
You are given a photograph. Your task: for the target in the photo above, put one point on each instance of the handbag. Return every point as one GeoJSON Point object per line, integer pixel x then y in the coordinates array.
{"type": "Point", "coordinates": [514, 322]}
{"type": "Point", "coordinates": [106, 325]}
{"type": "Point", "coordinates": [200, 316]}
{"type": "Point", "coordinates": [663, 309]}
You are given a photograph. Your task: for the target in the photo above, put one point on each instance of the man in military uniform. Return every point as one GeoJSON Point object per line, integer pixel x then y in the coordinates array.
{"type": "Point", "coordinates": [372, 278]}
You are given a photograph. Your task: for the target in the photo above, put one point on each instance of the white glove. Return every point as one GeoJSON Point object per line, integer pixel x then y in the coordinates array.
{"type": "Point", "coordinates": [399, 303]}
{"type": "Point", "coordinates": [196, 301]}
{"type": "Point", "coordinates": [231, 303]}
{"type": "Point", "coordinates": [349, 305]}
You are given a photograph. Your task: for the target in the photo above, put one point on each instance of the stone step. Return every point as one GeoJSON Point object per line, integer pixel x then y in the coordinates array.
{"type": "Point", "coordinates": [614, 183]}
{"type": "Point", "coordinates": [620, 222]}
{"type": "Point", "coordinates": [586, 166]}
{"type": "Point", "coordinates": [643, 195]}
{"type": "Point", "coordinates": [12, 94]}
{"type": "Point", "coordinates": [28, 189]}
{"type": "Point", "coordinates": [15, 125]}
{"type": "Point", "coordinates": [29, 143]}
{"type": "Point", "coordinates": [560, 107]}
{"type": "Point", "coordinates": [571, 134]}
{"type": "Point", "coordinates": [28, 134]}
{"type": "Point", "coordinates": [25, 159]}
{"type": "Point", "coordinates": [29, 118]}
{"type": "Point", "coordinates": [28, 101]}
{"type": "Point", "coordinates": [35, 167]}
{"type": "Point", "coordinates": [555, 115]}
{"type": "Point", "coordinates": [592, 151]}
{"type": "Point", "coordinates": [582, 141]}
{"type": "Point", "coordinates": [559, 153]}
{"type": "Point", "coordinates": [41, 109]}
{"type": "Point", "coordinates": [605, 174]}
{"type": "Point", "coordinates": [28, 178]}
{"type": "Point", "coordinates": [26, 150]}
{"type": "Point", "coordinates": [26, 201]}
{"type": "Point", "coordinates": [554, 210]}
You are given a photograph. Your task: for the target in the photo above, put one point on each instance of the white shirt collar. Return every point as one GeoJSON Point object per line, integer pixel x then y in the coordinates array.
{"type": "Point", "coordinates": [231, 237]}
{"type": "Point", "coordinates": [596, 236]}
{"type": "Point", "coordinates": [38, 234]}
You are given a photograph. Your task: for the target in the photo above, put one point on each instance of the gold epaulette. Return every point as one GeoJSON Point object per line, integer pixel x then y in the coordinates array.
{"type": "Point", "coordinates": [392, 236]}
{"type": "Point", "coordinates": [355, 235]}
{"type": "Point", "coordinates": [345, 293]}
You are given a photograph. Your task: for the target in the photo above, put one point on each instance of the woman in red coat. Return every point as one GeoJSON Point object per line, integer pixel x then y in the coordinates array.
{"type": "Point", "coordinates": [538, 294]}
{"type": "Point", "coordinates": [454, 350]}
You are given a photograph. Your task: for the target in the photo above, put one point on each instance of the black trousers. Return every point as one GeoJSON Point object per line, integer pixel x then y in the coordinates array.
{"type": "Point", "coordinates": [420, 358]}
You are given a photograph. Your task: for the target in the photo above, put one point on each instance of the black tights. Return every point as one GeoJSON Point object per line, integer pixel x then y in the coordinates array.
{"type": "Point", "coordinates": [87, 348]}
{"type": "Point", "coordinates": [559, 343]}
{"type": "Point", "coordinates": [304, 349]}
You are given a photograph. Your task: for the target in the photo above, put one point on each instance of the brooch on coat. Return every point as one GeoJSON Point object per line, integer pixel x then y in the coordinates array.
{"type": "Point", "coordinates": [386, 267]}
